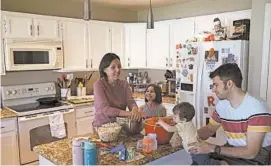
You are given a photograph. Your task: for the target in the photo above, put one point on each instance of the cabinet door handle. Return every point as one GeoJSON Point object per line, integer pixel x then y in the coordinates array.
{"type": "Point", "coordinates": [88, 112]}
{"type": "Point", "coordinates": [2, 127]}
{"type": "Point", "coordinates": [86, 63]}
{"type": "Point", "coordinates": [91, 63]}
{"type": "Point", "coordinates": [31, 30]}
{"type": "Point", "coordinates": [38, 29]}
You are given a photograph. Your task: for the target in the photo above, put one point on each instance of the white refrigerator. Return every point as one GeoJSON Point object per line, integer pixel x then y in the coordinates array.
{"type": "Point", "coordinates": [195, 61]}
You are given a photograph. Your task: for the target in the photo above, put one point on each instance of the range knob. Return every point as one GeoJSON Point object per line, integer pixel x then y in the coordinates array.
{"type": "Point", "coordinates": [52, 88]}
{"type": "Point", "coordinates": [8, 92]}
{"type": "Point", "coordinates": [47, 88]}
{"type": "Point", "coordinates": [14, 92]}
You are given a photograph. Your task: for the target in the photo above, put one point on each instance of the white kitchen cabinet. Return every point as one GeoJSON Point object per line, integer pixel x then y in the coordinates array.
{"type": "Point", "coordinates": [84, 125]}
{"type": "Point", "coordinates": [135, 45]}
{"type": "Point", "coordinates": [117, 37]}
{"type": "Point", "coordinates": [75, 41]}
{"type": "Point", "coordinates": [9, 142]}
{"type": "Point", "coordinates": [84, 119]}
{"type": "Point", "coordinates": [158, 46]}
{"type": "Point", "coordinates": [183, 29]}
{"type": "Point", "coordinates": [29, 26]}
{"type": "Point", "coordinates": [47, 29]}
{"type": "Point", "coordinates": [18, 27]}
{"type": "Point", "coordinates": [99, 41]}
{"type": "Point", "coordinates": [105, 37]}
{"type": "Point", "coordinates": [2, 63]}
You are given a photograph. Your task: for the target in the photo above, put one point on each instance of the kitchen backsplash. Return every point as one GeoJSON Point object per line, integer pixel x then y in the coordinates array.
{"type": "Point", "coordinates": [32, 77]}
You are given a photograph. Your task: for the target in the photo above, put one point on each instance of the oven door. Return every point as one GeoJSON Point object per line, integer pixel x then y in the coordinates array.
{"type": "Point", "coordinates": [34, 56]}
{"type": "Point", "coordinates": [35, 130]}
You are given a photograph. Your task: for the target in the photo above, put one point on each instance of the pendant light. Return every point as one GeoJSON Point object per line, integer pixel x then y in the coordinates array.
{"type": "Point", "coordinates": [150, 21]}
{"type": "Point", "coordinates": [87, 11]}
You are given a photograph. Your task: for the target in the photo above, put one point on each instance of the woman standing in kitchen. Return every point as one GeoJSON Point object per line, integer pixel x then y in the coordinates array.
{"type": "Point", "coordinates": [112, 95]}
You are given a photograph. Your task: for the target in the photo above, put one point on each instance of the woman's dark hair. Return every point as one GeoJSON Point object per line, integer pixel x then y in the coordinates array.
{"type": "Point", "coordinates": [105, 62]}
{"type": "Point", "coordinates": [158, 92]}
{"type": "Point", "coordinates": [184, 110]}
{"type": "Point", "coordinates": [228, 71]}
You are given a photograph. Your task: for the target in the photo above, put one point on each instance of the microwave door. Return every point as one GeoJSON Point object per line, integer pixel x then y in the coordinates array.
{"type": "Point", "coordinates": [31, 59]}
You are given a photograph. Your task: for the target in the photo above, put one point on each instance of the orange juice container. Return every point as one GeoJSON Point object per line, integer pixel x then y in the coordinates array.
{"type": "Point", "coordinates": [147, 144]}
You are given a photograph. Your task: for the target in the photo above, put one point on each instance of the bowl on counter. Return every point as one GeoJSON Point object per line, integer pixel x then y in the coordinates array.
{"type": "Point", "coordinates": [150, 126]}
{"type": "Point", "coordinates": [109, 132]}
{"type": "Point", "coordinates": [130, 127]}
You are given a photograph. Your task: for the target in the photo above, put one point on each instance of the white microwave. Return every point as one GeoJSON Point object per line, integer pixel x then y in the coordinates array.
{"type": "Point", "coordinates": [33, 55]}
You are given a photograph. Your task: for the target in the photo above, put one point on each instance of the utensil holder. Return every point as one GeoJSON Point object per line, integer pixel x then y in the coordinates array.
{"type": "Point", "coordinates": [65, 92]}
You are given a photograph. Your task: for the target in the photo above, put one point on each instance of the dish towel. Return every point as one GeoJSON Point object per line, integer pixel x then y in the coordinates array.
{"type": "Point", "coordinates": [57, 126]}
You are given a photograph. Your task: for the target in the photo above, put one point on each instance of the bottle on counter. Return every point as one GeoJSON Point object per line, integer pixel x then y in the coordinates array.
{"type": "Point", "coordinates": [90, 155]}
{"type": "Point", "coordinates": [77, 153]}
{"type": "Point", "coordinates": [154, 140]}
{"type": "Point", "coordinates": [147, 144]}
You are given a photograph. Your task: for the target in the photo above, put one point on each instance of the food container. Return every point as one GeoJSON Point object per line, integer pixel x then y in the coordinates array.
{"type": "Point", "coordinates": [163, 137]}
{"type": "Point", "coordinates": [109, 132]}
{"type": "Point", "coordinates": [147, 144]}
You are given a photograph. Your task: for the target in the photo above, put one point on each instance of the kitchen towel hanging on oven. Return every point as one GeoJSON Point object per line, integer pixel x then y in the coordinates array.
{"type": "Point", "coordinates": [57, 126]}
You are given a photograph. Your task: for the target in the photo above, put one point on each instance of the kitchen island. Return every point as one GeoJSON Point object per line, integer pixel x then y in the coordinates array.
{"type": "Point", "coordinates": [60, 153]}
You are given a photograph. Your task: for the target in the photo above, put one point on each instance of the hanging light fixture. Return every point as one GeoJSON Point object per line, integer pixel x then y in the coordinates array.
{"type": "Point", "coordinates": [87, 11]}
{"type": "Point", "coordinates": [150, 21]}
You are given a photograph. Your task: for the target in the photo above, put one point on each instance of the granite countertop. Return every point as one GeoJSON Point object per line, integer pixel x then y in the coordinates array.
{"type": "Point", "coordinates": [87, 104]}
{"type": "Point", "coordinates": [60, 152]}
{"type": "Point", "coordinates": [165, 99]}
{"type": "Point", "coordinates": [7, 113]}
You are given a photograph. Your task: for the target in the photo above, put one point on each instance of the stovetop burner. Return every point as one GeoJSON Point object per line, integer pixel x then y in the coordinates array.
{"type": "Point", "coordinates": [34, 106]}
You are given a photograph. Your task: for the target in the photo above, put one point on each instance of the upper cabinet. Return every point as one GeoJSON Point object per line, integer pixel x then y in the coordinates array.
{"type": "Point", "coordinates": [158, 46]}
{"type": "Point", "coordinates": [99, 42]}
{"type": "Point", "coordinates": [105, 37]}
{"type": "Point", "coordinates": [2, 63]}
{"type": "Point", "coordinates": [75, 41]}
{"type": "Point", "coordinates": [183, 29]}
{"type": "Point", "coordinates": [117, 36]}
{"type": "Point", "coordinates": [47, 29]}
{"type": "Point", "coordinates": [135, 45]}
{"type": "Point", "coordinates": [27, 26]}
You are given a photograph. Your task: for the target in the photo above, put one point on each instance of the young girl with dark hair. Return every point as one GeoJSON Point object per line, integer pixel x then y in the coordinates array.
{"type": "Point", "coordinates": [153, 106]}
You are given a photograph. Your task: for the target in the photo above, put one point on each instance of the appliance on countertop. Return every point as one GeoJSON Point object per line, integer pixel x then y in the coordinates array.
{"type": "Point", "coordinates": [35, 105]}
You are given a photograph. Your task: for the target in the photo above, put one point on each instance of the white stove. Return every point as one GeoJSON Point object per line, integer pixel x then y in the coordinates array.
{"type": "Point", "coordinates": [33, 120]}
{"type": "Point", "coordinates": [23, 98]}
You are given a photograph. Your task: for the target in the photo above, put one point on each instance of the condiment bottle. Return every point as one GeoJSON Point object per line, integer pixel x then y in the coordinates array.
{"type": "Point", "coordinates": [77, 153]}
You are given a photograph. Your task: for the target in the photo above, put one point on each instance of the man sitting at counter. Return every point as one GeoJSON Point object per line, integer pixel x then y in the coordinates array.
{"type": "Point", "coordinates": [245, 120]}
{"type": "Point", "coordinates": [112, 95]}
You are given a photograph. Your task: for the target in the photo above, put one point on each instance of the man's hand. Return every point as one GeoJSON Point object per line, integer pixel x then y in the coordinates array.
{"type": "Point", "coordinates": [201, 148]}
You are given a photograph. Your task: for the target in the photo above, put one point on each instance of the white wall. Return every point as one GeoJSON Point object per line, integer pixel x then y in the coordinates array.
{"type": "Point", "coordinates": [256, 46]}
{"type": "Point", "coordinates": [195, 8]}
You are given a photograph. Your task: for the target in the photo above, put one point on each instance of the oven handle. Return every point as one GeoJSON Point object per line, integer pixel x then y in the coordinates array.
{"type": "Point", "coordinates": [43, 115]}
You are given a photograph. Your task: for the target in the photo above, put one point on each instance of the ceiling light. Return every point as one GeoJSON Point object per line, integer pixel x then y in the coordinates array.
{"type": "Point", "coordinates": [150, 21]}
{"type": "Point", "coordinates": [87, 11]}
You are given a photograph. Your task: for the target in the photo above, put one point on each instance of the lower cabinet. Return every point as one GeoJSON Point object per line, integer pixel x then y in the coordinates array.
{"type": "Point", "coordinates": [9, 142]}
{"type": "Point", "coordinates": [84, 119]}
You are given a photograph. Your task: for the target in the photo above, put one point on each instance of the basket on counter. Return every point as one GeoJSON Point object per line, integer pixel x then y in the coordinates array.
{"type": "Point", "coordinates": [109, 132]}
